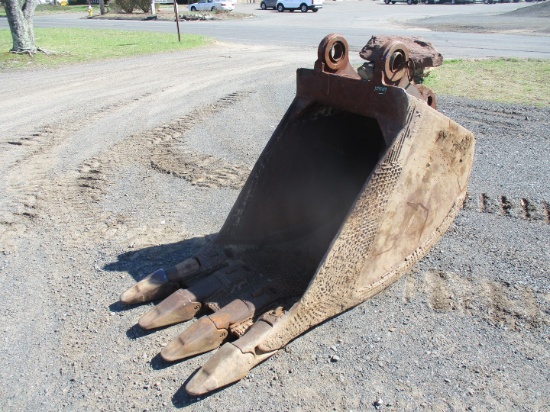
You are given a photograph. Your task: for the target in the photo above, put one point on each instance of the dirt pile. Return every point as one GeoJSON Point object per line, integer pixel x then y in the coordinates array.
{"type": "Point", "coordinates": [536, 10]}
{"type": "Point", "coordinates": [530, 20]}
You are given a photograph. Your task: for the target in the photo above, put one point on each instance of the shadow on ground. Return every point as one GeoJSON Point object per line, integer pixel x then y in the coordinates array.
{"type": "Point", "coordinates": [142, 262]}
{"type": "Point", "coordinates": [182, 399]}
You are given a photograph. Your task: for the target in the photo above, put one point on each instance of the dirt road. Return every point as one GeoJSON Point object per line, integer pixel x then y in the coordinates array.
{"type": "Point", "coordinates": [113, 169]}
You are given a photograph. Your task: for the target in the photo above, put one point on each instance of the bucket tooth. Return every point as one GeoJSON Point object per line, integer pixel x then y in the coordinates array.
{"type": "Point", "coordinates": [202, 336]}
{"type": "Point", "coordinates": [162, 283]}
{"type": "Point", "coordinates": [231, 362]}
{"type": "Point", "coordinates": [208, 332]}
{"type": "Point", "coordinates": [154, 286]}
{"type": "Point", "coordinates": [180, 306]}
{"type": "Point", "coordinates": [184, 304]}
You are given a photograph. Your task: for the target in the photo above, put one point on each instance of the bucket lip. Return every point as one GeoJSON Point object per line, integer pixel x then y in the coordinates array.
{"type": "Point", "coordinates": [351, 94]}
{"type": "Point", "coordinates": [388, 105]}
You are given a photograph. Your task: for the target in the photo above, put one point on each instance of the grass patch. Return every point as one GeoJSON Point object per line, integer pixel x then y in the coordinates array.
{"type": "Point", "coordinates": [81, 45]}
{"type": "Point", "coordinates": [50, 9]}
{"type": "Point", "coordinates": [501, 80]}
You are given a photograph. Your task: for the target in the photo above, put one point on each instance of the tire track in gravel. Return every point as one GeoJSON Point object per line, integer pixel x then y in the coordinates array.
{"type": "Point", "coordinates": [173, 158]}
{"type": "Point", "coordinates": [163, 150]}
{"type": "Point", "coordinates": [501, 304]}
{"type": "Point", "coordinates": [36, 197]}
{"type": "Point", "coordinates": [31, 181]}
{"type": "Point", "coordinates": [517, 208]}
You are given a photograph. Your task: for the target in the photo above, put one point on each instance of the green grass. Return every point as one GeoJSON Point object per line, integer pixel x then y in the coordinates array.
{"type": "Point", "coordinates": [49, 9]}
{"type": "Point", "coordinates": [81, 45]}
{"type": "Point", "coordinates": [502, 80]}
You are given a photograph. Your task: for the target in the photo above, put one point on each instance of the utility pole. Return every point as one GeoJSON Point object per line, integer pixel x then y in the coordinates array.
{"type": "Point", "coordinates": [177, 20]}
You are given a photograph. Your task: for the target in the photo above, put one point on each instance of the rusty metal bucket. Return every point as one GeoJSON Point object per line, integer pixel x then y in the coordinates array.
{"type": "Point", "coordinates": [361, 177]}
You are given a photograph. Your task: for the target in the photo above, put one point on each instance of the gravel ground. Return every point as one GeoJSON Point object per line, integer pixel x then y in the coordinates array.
{"type": "Point", "coordinates": [93, 200]}
{"type": "Point", "coordinates": [532, 20]}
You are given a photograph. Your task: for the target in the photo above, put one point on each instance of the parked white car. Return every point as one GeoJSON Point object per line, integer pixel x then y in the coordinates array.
{"type": "Point", "coordinates": [212, 5]}
{"type": "Point", "coordinates": [302, 5]}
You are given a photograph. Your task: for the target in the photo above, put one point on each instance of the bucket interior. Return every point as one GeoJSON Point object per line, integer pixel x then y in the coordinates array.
{"type": "Point", "coordinates": [310, 176]}
{"type": "Point", "coordinates": [301, 190]}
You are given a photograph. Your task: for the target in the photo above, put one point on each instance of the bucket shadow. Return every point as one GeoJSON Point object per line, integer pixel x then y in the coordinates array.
{"type": "Point", "coordinates": [182, 399]}
{"type": "Point", "coordinates": [135, 332]}
{"type": "Point", "coordinates": [142, 262]}
{"type": "Point", "coordinates": [157, 363]}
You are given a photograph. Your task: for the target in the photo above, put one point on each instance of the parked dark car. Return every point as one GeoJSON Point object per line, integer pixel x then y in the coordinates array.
{"type": "Point", "coordinates": [268, 4]}
{"type": "Point", "coordinates": [405, 1]}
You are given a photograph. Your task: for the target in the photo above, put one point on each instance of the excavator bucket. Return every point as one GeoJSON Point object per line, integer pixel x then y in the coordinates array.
{"type": "Point", "coordinates": [361, 177]}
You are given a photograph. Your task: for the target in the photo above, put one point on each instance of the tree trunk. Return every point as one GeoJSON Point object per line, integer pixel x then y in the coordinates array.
{"type": "Point", "coordinates": [20, 14]}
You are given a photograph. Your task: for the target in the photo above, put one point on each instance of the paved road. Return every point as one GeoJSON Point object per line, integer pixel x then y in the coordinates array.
{"type": "Point", "coordinates": [356, 20]}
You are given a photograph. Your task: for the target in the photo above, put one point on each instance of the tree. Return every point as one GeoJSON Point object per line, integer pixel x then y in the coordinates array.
{"type": "Point", "coordinates": [20, 14]}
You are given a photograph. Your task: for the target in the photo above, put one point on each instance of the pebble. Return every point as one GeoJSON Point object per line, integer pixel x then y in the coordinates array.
{"type": "Point", "coordinates": [334, 358]}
